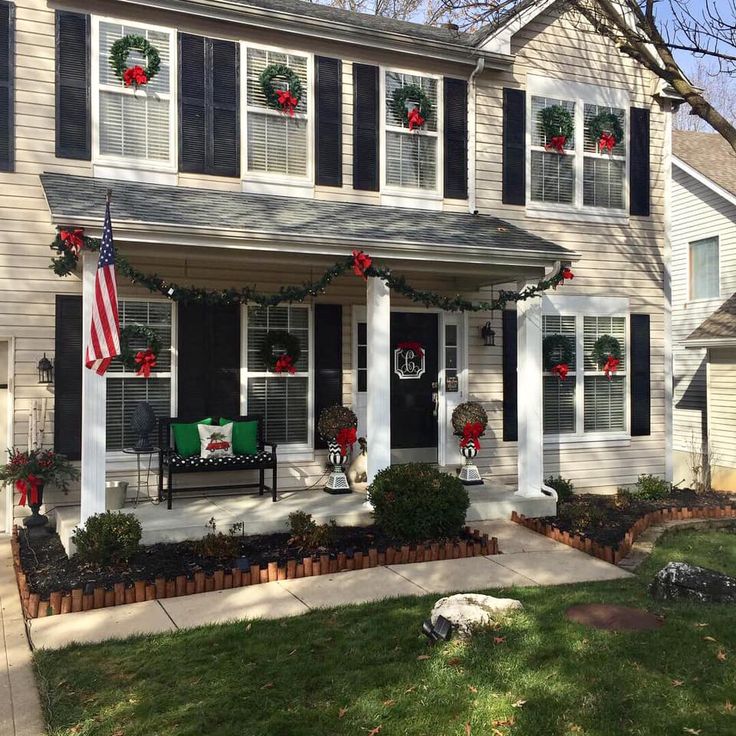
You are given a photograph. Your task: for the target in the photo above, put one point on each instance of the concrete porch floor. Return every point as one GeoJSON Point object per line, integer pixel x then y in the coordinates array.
{"type": "Point", "coordinates": [189, 516]}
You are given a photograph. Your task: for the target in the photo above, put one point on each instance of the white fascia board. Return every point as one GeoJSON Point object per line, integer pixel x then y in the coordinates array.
{"type": "Point", "coordinates": [499, 42]}
{"type": "Point", "coordinates": [704, 180]}
{"type": "Point", "coordinates": [713, 342]}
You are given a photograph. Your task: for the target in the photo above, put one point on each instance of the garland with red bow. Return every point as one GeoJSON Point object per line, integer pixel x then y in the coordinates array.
{"type": "Point", "coordinates": [135, 75]}
{"type": "Point", "coordinates": [411, 105]}
{"type": "Point", "coordinates": [29, 489]}
{"type": "Point", "coordinates": [346, 438]}
{"type": "Point", "coordinates": [143, 360]}
{"type": "Point", "coordinates": [282, 88]}
{"type": "Point", "coordinates": [472, 431]}
{"type": "Point", "coordinates": [607, 354]}
{"type": "Point", "coordinates": [412, 345]}
{"type": "Point", "coordinates": [361, 263]}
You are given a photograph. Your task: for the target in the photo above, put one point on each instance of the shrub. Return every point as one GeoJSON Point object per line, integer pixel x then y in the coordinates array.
{"type": "Point", "coordinates": [217, 545]}
{"type": "Point", "coordinates": [585, 515]}
{"type": "Point", "coordinates": [417, 502]}
{"type": "Point", "coordinates": [109, 538]}
{"type": "Point", "coordinates": [307, 533]}
{"type": "Point", "coordinates": [563, 486]}
{"type": "Point", "coordinates": [648, 487]}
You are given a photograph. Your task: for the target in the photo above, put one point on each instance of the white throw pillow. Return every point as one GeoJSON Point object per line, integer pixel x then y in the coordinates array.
{"type": "Point", "coordinates": [215, 441]}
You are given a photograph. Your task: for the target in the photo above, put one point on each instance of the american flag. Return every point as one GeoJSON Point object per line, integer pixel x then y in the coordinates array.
{"type": "Point", "coordinates": [104, 331]}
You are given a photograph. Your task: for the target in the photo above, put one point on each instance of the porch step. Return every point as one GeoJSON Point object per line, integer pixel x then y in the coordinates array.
{"type": "Point", "coordinates": [485, 503]}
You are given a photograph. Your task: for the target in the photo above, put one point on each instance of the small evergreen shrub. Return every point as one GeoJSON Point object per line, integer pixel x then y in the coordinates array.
{"type": "Point", "coordinates": [584, 516]}
{"type": "Point", "coordinates": [217, 545]}
{"type": "Point", "coordinates": [307, 533]}
{"type": "Point", "coordinates": [108, 539]}
{"type": "Point", "coordinates": [563, 486]}
{"type": "Point", "coordinates": [417, 502]}
{"type": "Point", "coordinates": [648, 487]}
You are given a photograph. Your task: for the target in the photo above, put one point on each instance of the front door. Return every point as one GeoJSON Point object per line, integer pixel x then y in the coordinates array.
{"type": "Point", "coordinates": [414, 369]}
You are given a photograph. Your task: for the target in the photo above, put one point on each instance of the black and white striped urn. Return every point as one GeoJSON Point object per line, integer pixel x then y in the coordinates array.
{"type": "Point", "coordinates": [338, 481]}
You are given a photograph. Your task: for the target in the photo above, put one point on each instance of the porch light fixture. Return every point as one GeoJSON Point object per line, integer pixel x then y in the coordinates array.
{"type": "Point", "coordinates": [442, 629]}
{"type": "Point", "coordinates": [45, 370]}
{"type": "Point", "coordinates": [488, 334]}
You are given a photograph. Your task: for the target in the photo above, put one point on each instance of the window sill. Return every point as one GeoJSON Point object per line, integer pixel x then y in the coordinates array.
{"type": "Point", "coordinates": [277, 185]}
{"type": "Point", "coordinates": [573, 214]}
{"type": "Point", "coordinates": [141, 171]}
{"type": "Point", "coordinates": [412, 198]}
{"type": "Point", "coordinates": [585, 441]}
{"type": "Point", "coordinates": [708, 301]}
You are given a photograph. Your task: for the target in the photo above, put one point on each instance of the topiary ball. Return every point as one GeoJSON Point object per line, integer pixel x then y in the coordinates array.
{"type": "Point", "coordinates": [333, 419]}
{"type": "Point", "coordinates": [468, 412]}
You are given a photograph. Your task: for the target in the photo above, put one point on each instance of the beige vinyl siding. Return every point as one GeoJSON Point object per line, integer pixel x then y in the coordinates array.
{"type": "Point", "coordinates": [722, 416]}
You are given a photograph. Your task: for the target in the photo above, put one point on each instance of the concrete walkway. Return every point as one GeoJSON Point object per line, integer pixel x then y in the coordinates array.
{"type": "Point", "coordinates": [529, 559]}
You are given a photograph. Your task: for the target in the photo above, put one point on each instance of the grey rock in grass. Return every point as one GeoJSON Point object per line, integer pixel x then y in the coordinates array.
{"type": "Point", "coordinates": [471, 611]}
{"type": "Point", "coordinates": [679, 580]}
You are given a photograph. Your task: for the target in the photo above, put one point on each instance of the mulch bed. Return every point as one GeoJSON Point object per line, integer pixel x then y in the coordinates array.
{"type": "Point", "coordinates": [613, 618]}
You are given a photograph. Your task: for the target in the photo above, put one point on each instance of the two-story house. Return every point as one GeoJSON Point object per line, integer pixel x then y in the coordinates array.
{"type": "Point", "coordinates": [217, 185]}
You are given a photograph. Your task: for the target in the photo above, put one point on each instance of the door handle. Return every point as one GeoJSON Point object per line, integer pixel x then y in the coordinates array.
{"type": "Point", "coordinates": [435, 398]}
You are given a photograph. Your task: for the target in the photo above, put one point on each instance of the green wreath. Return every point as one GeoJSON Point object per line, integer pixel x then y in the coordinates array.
{"type": "Point", "coordinates": [605, 122]}
{"type": "Point", "coordinates": [119, 58]}
{"type": "Point", "coordinates": [277, 343]}
{"type": "Point", "coordinates": [557, 121]}
{"type": "Point", "coordinates": [556, 350]}
{"type": "Point", "coordinates": [127, 354]}
{"type": "Point", "coordinates": [605, 347]}
{"type": "Point", "coordinates": [416, 94]}
{"type": "Point", "coordinates": [271, 92]}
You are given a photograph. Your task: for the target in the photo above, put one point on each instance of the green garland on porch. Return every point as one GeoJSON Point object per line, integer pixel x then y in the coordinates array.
{"type": "Point", "coordinates": [66, 261]}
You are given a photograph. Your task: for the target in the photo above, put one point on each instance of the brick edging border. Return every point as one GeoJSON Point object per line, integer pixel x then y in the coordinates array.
{"type": "Point", "coordinates": [77, 600]}
{"type": "Point", "coordinates": [612, 554]}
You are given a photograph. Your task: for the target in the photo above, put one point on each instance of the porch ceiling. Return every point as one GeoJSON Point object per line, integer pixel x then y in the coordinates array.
{"type": "Point", "coordinates": [145, 212]}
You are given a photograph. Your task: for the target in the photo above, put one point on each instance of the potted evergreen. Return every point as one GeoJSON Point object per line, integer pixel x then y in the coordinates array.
{"type": "Point", "coordinates": [338, 426]}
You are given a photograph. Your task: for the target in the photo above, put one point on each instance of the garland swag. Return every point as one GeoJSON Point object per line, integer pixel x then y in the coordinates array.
{"type": "Point", "coordinates": [134, 75]}
{"type": "Point", "coordinates": [359, 263]}
{"type": "Point", "coordinates": [415, 115]}
{"type": "Point", "coordinates": [287, 99]}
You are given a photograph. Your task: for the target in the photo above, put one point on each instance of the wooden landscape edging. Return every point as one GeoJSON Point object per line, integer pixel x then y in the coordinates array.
{"type": "Point", "coordinates": [144, 590]}
{"type": "Point", "coordinates": [614, 555]}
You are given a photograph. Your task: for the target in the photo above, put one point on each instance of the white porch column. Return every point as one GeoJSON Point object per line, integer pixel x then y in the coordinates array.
{"type": "Point", "coordinates": [378, 301]}
{"type": "Point", "coordinates": [94, 408]}
{"type": "Point", "coordinates": [529, 397]}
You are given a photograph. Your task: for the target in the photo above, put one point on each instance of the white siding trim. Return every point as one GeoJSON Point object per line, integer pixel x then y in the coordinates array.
{"type": "Point", "coordinates": [720, 191]}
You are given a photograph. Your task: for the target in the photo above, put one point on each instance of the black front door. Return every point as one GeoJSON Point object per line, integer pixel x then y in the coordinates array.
{"type": "Point", "coordinates": [414, 365]}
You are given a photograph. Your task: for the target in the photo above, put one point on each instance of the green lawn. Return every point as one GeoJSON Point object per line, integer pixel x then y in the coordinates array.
{"type": "Point", "coordinates": [365, 670]}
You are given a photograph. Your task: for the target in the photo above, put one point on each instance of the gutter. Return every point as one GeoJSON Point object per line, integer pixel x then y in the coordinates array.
{"type": "Point", "coordinates": [710, 342]}
{"type": "Point", "coordinates": [472, 126]}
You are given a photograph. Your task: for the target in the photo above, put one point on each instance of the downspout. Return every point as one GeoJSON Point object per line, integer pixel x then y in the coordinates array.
{"type": "Point", "coordinates": [479, 66]}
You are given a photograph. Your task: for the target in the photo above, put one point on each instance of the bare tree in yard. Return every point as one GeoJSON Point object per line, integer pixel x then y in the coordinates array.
{"type": "Point", "coordinates": [718, 88]}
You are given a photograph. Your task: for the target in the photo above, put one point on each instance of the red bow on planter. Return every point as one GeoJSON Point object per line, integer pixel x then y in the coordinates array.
{"type": "Point", "coordinates": [28, 487]}
{"type": "Point", "coordinates": [606, 142]}
{"type": "Point", "coordinates": [284, 363]}
{"type": "Point", "coordinates": [134, 75]}
{"type": "Point", "coordinates": [610, 366]}
{"type": "Point", "coordinates": [73, 240]}
{"type": "Point", "coordinates": [560, 370]}
{"type": "Point", "coordinates": [471, 432]}
{"type": "Point", "coordinates": [415, 118]}
{"type": "Point", "coordinates": [287, 101]}
{"type": "Point", "coordinates": [412, 345]}
{"type": "Point", "coordinates": [557, 143]}
{"type": "Point", "coordinates": [346, 438]}
{"type": "Point", "coordinates": [361, 263]}
{"type": "Point", "coordinates": [146, 359]}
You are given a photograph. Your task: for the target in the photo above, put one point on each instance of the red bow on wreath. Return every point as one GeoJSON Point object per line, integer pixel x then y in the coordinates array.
{"type": "Point", "coordinates": [134, 75]}
{"type": "Point", "coordinates": [287, 101]}
{"type": "Point", "coordinates": [361, 263]}
{"type": "Point", "coordinates": [146, 359]}
{"type": "Point", "coordinates": [610, 366]}
{"type": "Point", "coordinates": [285, 363]}
{"type": "Point", "coordinates": [28, 487]}
{"type": "Point", "coordinates": [606, 142]}
{"type": "Point", "coordinates": [412, 345]}
{"type": "Point", "coordinates": [346, 438]}
{"type": "Point", "coordinates": [415, 118]}
{"type": "Point", "coordinates": [73, 240]}
{"type": "Point", "coordinates": [557, 143]}
{"type": "Point", "coordinates": [560, 370]}
{"type": "Point", "coordinates": [471, 433]}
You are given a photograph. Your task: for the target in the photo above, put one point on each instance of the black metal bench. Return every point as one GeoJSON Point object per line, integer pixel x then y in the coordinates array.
{"type": "Point", "coordinates": [171, 463]}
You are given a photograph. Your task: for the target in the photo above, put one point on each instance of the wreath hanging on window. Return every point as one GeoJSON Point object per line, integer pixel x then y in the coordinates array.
{"type": "Point", "coordinates": [411, 105]}
{"type": "Point", "coordinates": [280, 351]}
{"type": "Point", "coordinates": [607, 354]}
{"type": "Point", "coordinates": [134, 75]}
{"type": "Point", "coordinates": [284, 96]}
{"type": "Point", "coordinates": [557, 354]}
{"type": "Point", "coordinates": [142, 361]}
{"type": "Point", "coordinates": [606, 130]}
{"type": "Point", "coordinates": [557, 125]}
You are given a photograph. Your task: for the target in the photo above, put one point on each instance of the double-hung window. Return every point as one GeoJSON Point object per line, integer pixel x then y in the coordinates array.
{"type": "Point", "coordinates": [134, 125]}
{"type": "Point", "coordinates": [705, 279]}
{"type": "Point", "coordinates": [411, 156]}
{"type": "Point", "coordinates": [277, 143]}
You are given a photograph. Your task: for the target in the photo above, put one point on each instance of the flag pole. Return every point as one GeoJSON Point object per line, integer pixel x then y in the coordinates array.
{"type": "Point", "coordinates": [108, 196]}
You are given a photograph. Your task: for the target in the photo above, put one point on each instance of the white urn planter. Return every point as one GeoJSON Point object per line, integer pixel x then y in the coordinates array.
{"type": "Point", "coordinates": [469, 473]}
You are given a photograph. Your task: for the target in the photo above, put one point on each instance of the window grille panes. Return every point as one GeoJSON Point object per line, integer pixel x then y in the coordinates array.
{"type": "Point", "coordinates": [604, 404]}
{"type": "Point", "coordinates": [553, 177]}
{"type": "Point", "coordinates": [538, 135]}
{"type": "Point", "coordinates": [704, 269]}
{"type": "Point", "coordinates": [591, 143]}
{"type": "Point", "coordinates": [604, 172]}
{"type": "Point", "coordinates": [428, 85]}
{"type": "Point", "coordinates": [559, 396]}
{"type": "Point", "coordinates": [595, 327]}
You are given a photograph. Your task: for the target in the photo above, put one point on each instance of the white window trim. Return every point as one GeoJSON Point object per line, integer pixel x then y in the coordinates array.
{"type": "Point", "coordinates": [580, 94]}
{"type": "Point", "coordinates": [580, 307]}
{"type": "Point", "coordinates": [124, 162]}
{"type": "Point", "coordinates": [407, 196]}
{"type": "Point", "coordinates": [260, 180]}
{"type": "Point", "coordinates": [689, 269]}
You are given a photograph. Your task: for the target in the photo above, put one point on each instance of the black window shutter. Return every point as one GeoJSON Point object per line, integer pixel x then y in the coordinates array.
{"type": "Point", "coordinates": [7, 84]}
{"type": "Point", "coordinates": [640, 165]}
{"type": "Point", "coordinates": [209, 361]}
{"type": "Point", "coordinates": [73, 86]}
{"type": "Point", "coordinates": [68, 377]}
{"type": "Point", "coordinates": [514, 146]}
{"type": "Point", "coordinates": [328, 146]}
{"type": "Point", "coordinates": [365, 127]}
{"type": "Point", "coordinates": [208, 106]}
{"type": "Point", "coordinates": [640, 375]}
{"type": "Point", "coordinates": [510, 379]}
{"type": "Point", "coordinates": [327, 361]}
{"type": "Point", "coordinates": [456, 138]}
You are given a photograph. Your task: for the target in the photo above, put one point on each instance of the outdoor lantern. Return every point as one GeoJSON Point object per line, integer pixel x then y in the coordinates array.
{"type": "Point", "coordinates": [442, 629]}
{"type": "Point", "coordinates": [45, 370]}
{"type": "Point", "coordinates": [488, 334]}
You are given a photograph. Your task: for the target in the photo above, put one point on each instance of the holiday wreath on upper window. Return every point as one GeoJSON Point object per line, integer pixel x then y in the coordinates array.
{"type": "Point", "coordinates": [281, 87]}
{"type": "Point", "coordinates": [135, 75]}
{"type": "Point", "coordinates": [411, 105]}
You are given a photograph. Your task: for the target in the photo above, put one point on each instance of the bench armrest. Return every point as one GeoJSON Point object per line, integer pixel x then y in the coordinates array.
{"type": "Point", "coordinates": [272, 445]}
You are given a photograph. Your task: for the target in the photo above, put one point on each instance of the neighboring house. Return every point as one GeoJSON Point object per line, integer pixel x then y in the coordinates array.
{"type": "Point", "coordinates": [212, 187]}
{"type": "Point", "coordinates": [703, 325]}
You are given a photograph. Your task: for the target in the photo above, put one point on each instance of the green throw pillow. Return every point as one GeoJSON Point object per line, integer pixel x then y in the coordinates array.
{"type": "Point", "coordinates": [245, 436]}
{"type": "Point", "coordinates": [186, 437]}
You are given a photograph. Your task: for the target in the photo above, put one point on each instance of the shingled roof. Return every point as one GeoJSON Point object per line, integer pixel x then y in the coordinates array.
{"type": "Point", "coordinates": [709, 154]}
{"type": "Point", "coordinates": [719, 327]}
